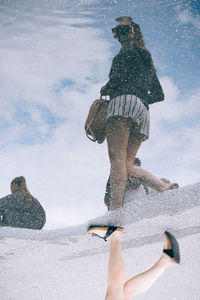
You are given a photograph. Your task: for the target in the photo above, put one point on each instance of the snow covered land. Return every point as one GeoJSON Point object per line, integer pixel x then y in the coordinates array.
{"type": "Point", "coordinates": [66, 264]}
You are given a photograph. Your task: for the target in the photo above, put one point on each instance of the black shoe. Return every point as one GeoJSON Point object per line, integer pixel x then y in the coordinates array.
{"type": "Point", "coordinates": [174, 186]}
{"type": "Point", "coordinates": [107, 229]}
{"type": "Point", "coordinates": [174, 251]}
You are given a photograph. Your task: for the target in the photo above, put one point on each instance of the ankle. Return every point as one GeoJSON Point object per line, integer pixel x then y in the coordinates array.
{"type": "Point", "coordinates": [167, 260]}
{"type": "Point", "coordinates": [115, 237]}
{"type": "Point", "coordinates": [163, 187]}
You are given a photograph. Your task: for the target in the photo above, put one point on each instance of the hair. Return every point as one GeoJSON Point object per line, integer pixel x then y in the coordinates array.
{"type": "Point", "coordinates": [18, 184]}
{"type": "Point", "coordinates": [139, 40]}
{"type": "Point", "coordinates": [138, 36]}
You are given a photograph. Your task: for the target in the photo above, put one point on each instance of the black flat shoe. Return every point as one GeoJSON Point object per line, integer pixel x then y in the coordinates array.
{"type": "Point", "coordinates": [174, 251]}
{"type": "Point", "coordinates": [107, 229]}
{"type": "Point", "coordinates": [174, 186]}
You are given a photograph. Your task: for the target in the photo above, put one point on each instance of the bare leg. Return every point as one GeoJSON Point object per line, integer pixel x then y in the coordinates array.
{"type": "Point", "coordinates": [117, 133]}
{"type": "Point", "coordinates": [142, 282]}
{"type": "Point", "coordinates": [116, 269]}
{"type": "Point", "coordinates": [143, 176]}
{"type": "Point", "coordinates": [134, 142]}
{"type": "Point", "coordinates": [149, 179]}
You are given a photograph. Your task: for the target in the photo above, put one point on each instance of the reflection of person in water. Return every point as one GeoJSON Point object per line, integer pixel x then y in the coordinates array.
{"type": "Point", "coordinates": [132, 86]}
{"type": "Point", "coordinates": [133, 187]}
{"type": "Point", "coordinates": [21, 209]}
{"type": "Point", "coordinates": [117, 288]}
{"type": "Point", "coordinates": [131, 184]}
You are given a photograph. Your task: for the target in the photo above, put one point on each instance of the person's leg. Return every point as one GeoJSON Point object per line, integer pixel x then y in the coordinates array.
{"type": "Point", "coordinates": [117, 134]}
{"type": "Point", "coordinates": [148, 179]}
{"type": "Point", "coordinates": [142, 282]}
{"type": "Point", "coordinates": [116, 269]}
{"type": "Point", "coordinates": [134, 142]}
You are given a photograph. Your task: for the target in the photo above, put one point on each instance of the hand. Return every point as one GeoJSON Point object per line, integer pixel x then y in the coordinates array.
{"type": "Point", "coordinates": [103, 91]}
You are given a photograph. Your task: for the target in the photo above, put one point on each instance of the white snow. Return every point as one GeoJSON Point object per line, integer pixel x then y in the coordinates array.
{"type": "Point", "coordinates": [66, 264]}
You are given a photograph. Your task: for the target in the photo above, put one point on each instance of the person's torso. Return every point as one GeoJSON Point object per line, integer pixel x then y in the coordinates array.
{"type": "Point", "coordinates": [18, 212]}
{"type": "Point", "coordinates": [131, 73]}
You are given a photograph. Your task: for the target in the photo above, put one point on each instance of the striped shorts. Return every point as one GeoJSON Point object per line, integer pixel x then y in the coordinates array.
{"type": "Point", "coordinates": [130, 106]}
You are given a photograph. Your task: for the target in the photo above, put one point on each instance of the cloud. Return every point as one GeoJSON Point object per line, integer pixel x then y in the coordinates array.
{"type": "Point", "coordinates": [48, 65]}
{"type": "Point", "coordinates": [186, 16]}
{"type": "Point", "coordinates": [172, 150]}
{"type": "Point", "coordinates": [53, 68]}
{"type": "Point", "coordinates": [176, 107]}
{"type": "Point", "coordinates": [67, 173]}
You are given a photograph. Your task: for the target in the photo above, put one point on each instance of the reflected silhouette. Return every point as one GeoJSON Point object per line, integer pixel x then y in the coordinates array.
{"type": "Point", "coordinates": [21, 209]}
{"type": "Point", "coordinates": [133, 85]}
{"type": "Point", "coordinates": [132, 187]}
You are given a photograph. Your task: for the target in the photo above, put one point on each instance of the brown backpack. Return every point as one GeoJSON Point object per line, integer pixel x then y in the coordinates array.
{"type": "Point", "coordinates": [95, 125]}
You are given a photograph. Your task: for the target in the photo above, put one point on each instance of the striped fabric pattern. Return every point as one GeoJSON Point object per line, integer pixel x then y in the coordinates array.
{"type": "Point", "coordinates": [130, 106]}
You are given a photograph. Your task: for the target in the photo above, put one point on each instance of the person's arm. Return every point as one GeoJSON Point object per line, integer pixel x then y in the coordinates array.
{"type": "Point", "coordinates": [9, 202]}
{"type": "Point", "coordinates": [116, 75]}
{"type": "Point", "coordinates": [110, 85]}
{"type": "Point", "coordinates": [104, 90]}
{"type": "Point", "coordinates": [155, 93]}
{"type": "Point", "coordinates": [4, 202]}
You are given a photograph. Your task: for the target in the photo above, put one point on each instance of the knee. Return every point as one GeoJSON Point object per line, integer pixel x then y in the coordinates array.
{"type": "Point", "coordinates": [130, 168]}
{"type": "Point", "coordinates": [128, 293]}
{"type": "Point", "coordinates": [131, 171]}
{"type": "Point", "coordinates": [114, 292]}
{"type": "Point", "coordinates": [116, 281]}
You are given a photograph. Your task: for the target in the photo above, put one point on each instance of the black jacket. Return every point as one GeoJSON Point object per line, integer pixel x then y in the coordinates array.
{"type": "Point", "coordinates": [16, 212]}
{"type": "Point", "coordinates": [132, 72]}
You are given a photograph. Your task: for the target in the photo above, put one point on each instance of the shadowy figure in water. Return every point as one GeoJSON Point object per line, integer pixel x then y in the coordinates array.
{"type": "Point", "coordinates": [117, 288]}
{"type": "Point", "coordinates": [133, 184]}
{"type": "Point", "coordinates": [132, 86]}
{"type": "Point", "coordinates": [21, 209]}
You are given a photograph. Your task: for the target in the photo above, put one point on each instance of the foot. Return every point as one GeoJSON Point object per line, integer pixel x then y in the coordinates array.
{"type": "Point", "coordinates": [165, 180]}
{"type": "Point", "coordinates": [171, 248]}
{"type": "Point", "coordinates": [105, 232]}
{"type": "Point", "coordinates": [115, 235]}
{"type": "Point", "coordinates": [174, 186]}
{"type": "Point", "coordinates": [171, 186]}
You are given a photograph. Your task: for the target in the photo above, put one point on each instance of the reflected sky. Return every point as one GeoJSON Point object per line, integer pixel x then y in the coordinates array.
{"type": "Point", "coordinates": [55, 56]}
{"type": "Point", "coordinates": [171, 28]}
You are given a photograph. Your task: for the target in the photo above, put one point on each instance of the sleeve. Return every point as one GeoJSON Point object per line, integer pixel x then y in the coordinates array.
{"type": "Point", "coordinates": [155, 93]}
{"type": "Point", "coordinates": [114, 77]}
{"type": "Point", "coordinates": [5, 202]}
{"type": "Point", "coordinates": [10, 201]}
{"type": "Point", "coordinates": [119, 73]}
